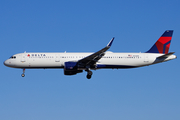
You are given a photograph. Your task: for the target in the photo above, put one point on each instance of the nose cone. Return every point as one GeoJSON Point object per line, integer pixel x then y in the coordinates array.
{"type": "Point", "coordinates": [8, 63]}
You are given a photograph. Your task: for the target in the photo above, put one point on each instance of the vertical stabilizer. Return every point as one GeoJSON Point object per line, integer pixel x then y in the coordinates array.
{"type": "Point", "coordinates": [162, 45]}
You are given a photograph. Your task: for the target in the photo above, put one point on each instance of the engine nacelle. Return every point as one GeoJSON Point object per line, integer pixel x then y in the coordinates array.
{"type": "Point", "coordinates": [70, 68]}
{"type": "Point", "coordinates": [70, 65]}
{"type": "Point", "coordinates": [69, 72]}
{"type": "Point", "coordinates": [72, 72]}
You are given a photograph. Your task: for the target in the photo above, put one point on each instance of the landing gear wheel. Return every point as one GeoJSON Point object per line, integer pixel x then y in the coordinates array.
{"type": "Point", "coordinates": [22, 75]}
{"type": "Point", "coordinates": [89, 74]}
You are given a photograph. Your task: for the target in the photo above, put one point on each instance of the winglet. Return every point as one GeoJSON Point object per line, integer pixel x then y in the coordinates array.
{"type": "Point", "coordinates": [110, 43]}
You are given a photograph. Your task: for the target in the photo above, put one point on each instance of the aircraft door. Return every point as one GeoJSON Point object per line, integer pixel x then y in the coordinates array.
{"type": "Point", "coordinates": [146, 58]}
{"type": "Point", "coordinates": [57, 58]}
{"type": "Point", "coordinates": [23, 58]}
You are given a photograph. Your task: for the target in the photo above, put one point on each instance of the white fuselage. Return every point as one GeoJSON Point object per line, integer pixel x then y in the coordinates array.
{"type": "Point", "coordinates": [74, 63]}
{"type": "Point", "coordinates": [109, 60]}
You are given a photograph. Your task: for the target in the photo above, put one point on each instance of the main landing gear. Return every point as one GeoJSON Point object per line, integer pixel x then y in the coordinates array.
{"type": "Point", "coordinates": [89, 74]}
{"type": "Point", "coordinates": [23, 75]}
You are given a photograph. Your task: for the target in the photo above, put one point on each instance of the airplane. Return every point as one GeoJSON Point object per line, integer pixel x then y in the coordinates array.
{"type": "Point", "coordinates": [74, 63]}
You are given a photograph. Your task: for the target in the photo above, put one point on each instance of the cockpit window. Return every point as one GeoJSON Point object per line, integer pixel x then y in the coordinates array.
{"type": "Point", "coordinates": [13, 57]}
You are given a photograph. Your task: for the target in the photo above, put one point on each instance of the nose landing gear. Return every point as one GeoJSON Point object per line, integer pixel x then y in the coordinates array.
{"type": "Point", "coordinates": [23, 75]}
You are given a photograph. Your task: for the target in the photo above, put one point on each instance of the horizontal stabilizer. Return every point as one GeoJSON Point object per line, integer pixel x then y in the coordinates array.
{"type": "Point", "coordinates": [166, 55]}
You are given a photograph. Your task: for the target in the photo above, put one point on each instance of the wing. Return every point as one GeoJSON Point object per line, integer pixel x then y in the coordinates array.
{"type": "Point", "coordinates": [93, 58]}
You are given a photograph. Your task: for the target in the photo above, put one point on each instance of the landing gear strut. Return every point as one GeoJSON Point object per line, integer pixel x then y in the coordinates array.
{"type": "Point", "coordinates": [89, 74]}
{"type": "Point", "coordinates": [23, 73]}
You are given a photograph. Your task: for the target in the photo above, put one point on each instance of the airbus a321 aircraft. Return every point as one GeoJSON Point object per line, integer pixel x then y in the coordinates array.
{"type": "Point", "coordinates": [74, 63]}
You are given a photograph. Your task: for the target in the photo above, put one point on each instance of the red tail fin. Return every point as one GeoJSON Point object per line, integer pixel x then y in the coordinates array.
{"type": "Point", "coordinates": [162, 44]}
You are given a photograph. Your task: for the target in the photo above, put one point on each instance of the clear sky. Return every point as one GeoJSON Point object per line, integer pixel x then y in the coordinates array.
{"type": "Point", "coordinates": [147, 93]}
